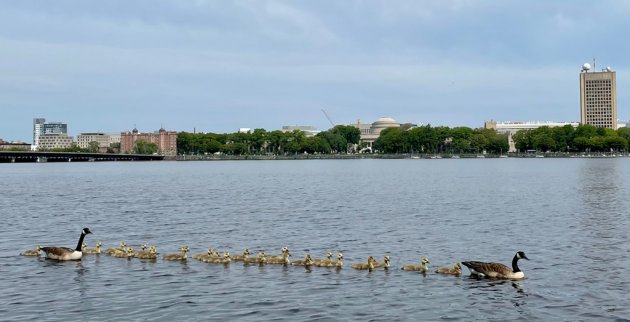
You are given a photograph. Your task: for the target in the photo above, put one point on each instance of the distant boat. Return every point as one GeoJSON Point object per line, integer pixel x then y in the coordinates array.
{"type": "Point", "coordinates": [503, 156]}
{"type": "Point", "coordinates": [481, 156]}
{"type": "Point", "coordinates": [455, 157]}
{"type": "Point", "coordinates": [540, 156]}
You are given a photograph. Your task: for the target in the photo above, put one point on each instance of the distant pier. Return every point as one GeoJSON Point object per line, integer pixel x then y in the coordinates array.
{"type": "Point", "coordinates": [28, 156]}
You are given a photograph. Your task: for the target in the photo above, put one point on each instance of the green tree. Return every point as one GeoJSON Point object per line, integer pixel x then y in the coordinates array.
{"type": "Point", "coordinates": [144, 147]}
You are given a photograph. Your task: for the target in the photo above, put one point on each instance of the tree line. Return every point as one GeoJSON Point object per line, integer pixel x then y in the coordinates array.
{"type": "Point", "coordinates": [345, 139]}
{"type": "Point", "coordinates": [339, 139]}
{"type": "Point", "coordinates": [583, 138]}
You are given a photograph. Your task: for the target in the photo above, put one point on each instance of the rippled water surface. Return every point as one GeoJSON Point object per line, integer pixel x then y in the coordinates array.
{"type": "Point", "coordinates": [569, 215]}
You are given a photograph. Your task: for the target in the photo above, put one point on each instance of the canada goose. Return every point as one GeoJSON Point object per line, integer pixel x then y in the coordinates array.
{"type": "Point", "coordinates": [283, 259]}
{"type": "Point", "coordinates": [96, 250]}
{"type": "Point", "coordinates": [32, 252]}
{"type": "Point", "coordinates": [83, 246]}
{"type": "Point", "coordinates": [151, 254]}
{"type": "Point", "coordinates": [385, 264]}
{"type": "Point", "coordinates": [65, 253]}
{"type": "Point", "coordinates": [178, 257]}
{"type": "Point", "coordinates": [260, 259]}
{"type": "Point", "coordinates": [319, 261]}
{"type": "Point", "coordinates": [369, 265]}
{"type": "Point", "coordinates": [308, 261]}
{"type": "Point", "coordinates": [455, 270]}
{"type": "Point", "coordinates": [497, 270]}
{"type": "Point", "coordinates": [110, 251]}
{"type": "Point", "coordinates": [418, 268]}
{"type": "Point", "coordinates": [241, 257]}
{"type": "Point", "coordinates": [225, 259]}
{"type": "Point", "coordinates": [200, 256]}
{"type": "Point", "coordinates": [331, 263]}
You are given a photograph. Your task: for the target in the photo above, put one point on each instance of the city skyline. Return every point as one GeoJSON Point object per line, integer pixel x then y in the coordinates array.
{"type": "Point", "coordinates": [218, 66]}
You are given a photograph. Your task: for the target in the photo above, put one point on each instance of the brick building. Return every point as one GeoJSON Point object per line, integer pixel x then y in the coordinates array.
{"type": "Point", "coordinates": [165, 140]}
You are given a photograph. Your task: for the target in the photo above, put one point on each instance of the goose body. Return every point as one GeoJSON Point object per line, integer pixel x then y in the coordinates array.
{"type": "Point", "coordinates": [418, 268]}
{"type": "Point", "coordinates": [128, 253]}
{"type": "Point", "coordinates": [308, 261]}
{"type": "Point", "coordinates": [241, 257]}
{"type": "Point", "coordinates": [32, 252]}
{"type": "Point", "coordinates": [65, 253]}
{"type": "Point", "coordinates": [96, 250]}
{"type": "Point", "coordinates": [330, 263]}
{"type": "Point", "coordinates": [455, 270]}
{"type": "Point", "coordinates": [363, 266]}
{"type": "Point", "coordinates": [497, 270]}
{"type": "Point", "coordinates": [225, 259]}
{"type": "Point", "coordinates": [385, 264]}
{"type": "Point", "coordinates": [178, 257]}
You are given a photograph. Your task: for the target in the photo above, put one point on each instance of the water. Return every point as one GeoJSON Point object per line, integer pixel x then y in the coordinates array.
{"type": "Point", "coordinates": [568, 215]}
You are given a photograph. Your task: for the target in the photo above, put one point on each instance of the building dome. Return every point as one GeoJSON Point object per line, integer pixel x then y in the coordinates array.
{"type": "Point", "coordinates": [385, 122]}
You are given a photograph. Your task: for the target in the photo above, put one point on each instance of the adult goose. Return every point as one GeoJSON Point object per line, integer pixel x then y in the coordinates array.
{"type": "Point", "coordinates": [497, 270]}
{"type": "Point", "coordinates": [65, 253]}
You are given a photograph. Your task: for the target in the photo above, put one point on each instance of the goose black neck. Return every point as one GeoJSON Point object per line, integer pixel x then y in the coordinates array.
{"type": "Point", "coordinates": [515, 264]}
{"type": "Point", "coordinates": [78, 249]}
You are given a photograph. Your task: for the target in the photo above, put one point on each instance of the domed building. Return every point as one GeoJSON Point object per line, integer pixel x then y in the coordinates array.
{"type": "Point", "coordinates": [371, 132]}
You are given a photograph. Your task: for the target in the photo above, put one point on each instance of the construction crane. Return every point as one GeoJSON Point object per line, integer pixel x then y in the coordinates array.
{"type": "Point", "coordinates": [328, 117]}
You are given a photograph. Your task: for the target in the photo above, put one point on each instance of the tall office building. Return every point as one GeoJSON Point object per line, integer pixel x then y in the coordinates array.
{"type": "Point", "coordinates": [38, 123]}
{"type": "Point", "coordinates": [598, 97]}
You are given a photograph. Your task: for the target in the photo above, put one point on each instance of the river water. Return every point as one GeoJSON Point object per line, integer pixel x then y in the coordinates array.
{"type": "Point", "coordinates": [570, 216]}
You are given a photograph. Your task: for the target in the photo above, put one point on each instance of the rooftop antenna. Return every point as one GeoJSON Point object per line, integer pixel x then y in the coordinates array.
{"type": "Point", "coordinates": [595, 69]}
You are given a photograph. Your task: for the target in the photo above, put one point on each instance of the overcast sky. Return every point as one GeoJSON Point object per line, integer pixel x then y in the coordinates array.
{"type": "Point", "coordinates": [216, 66]}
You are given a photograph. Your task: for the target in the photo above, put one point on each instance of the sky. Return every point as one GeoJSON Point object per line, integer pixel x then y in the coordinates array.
{"type": "Point", "coordinates": [217, 66]}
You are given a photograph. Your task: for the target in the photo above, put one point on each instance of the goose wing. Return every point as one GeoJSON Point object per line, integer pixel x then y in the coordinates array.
{"type": "Point", "coordinates": [488, 268]}
{"type": "Point", "coordinates": [57, 251]}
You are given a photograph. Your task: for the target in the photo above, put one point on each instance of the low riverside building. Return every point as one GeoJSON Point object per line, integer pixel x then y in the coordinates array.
{"type": "Point", "coordinates": [54, 141]}
{"type": "Point", "coordinates": [15, 146]}
{"type": "Point", "coordinates": [307, 129]}
{"type": "Point", "coordinates": [511, 128]}
{"type": "Point", "coordinates": [102, 139]}
{"type": "Point", "coordinates": [371, 132]}
{"type": "Point", "coordinates": [165, 140]}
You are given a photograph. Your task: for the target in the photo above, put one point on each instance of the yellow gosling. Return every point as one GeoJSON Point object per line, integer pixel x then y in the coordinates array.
{"type": "Point", "coordinates": [385, 264]}
{"type": "Point", "coordinates": [260, 259]}
{"type": "Point", "coordinates": [320, 261]}
{"type": "Point", "coordinates": [201, 256]}
{"type": "Point", "coordinates": [151, 254]}
{"type": "Point", "coordinates": [32, 252]}
{"type": "Point", "coordinates": [363, 266]}
{"type": "Point", "coordinates": [308, 261]}
{"type": "Point", "coordinates": [418, 268]}
{"type": "Point", "coordinates": [241, 257]}
{"type": "Point", "coordinates": [283, 259]}
{"type": "Point", "coordinates": [121, 247]}
{"type": "Point", "coordinates": [178, 257]}
{"type": "Point", "coordinates": [96, 250]}
{"type": "Point", "coordinates": [455, 270]}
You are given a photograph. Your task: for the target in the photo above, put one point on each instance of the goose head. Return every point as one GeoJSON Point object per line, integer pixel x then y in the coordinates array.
{"type": "Point", "coordinates": [424, 261]}
{"type": "Point", "coordinates": [371, 259]}
{"type": "Point", "coordinates": [246, 251]}
{"type": "Point", "coordinates": [339, 256]}
{"type": "Point", "coordinates": [86, 231]}
{"type": "Point", "coordinates": [129, 251]}
{"type": "Point", "coordinates": [123, 244]}
{"type": "Point", "coordinates": [458, 268]}
{"type": "Point", "coordinates": [98, 244]}
{"type": "Point", "coordinates": [226, 255]}
{"type": "Point", "coordinates": [329, 255]}
{"type": "Point", "coordinates": [210, 251]}
{"type": "Point", "coordinates": [83, 246]}
{"type": "Point", "coordinates": [521, 255]}
{"type": "Point", "coordinates": [386, 260]}
{"type": "Point", "coordinates": [143, 247]}
{"type": "Point", "coordinates": [308, 260]}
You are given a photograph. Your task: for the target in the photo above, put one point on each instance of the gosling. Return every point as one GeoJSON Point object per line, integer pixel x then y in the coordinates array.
{"type": "Point", "coordinates": [319, 261]}
{"type": "Point", "coordinates": [385, 264]}
{"type": "Point", "coordinates": [330, 263]}
{"type": "Point", "coordinates": [128, 253]}
{"type": "Point", "coordinates": [111, 251]}
{"type": "Point", "coordinates": [260, 259]}
{"type": "Point", "coordinates": [283, 259]}
{"type": "Point", "coordinates": [201, 256]}
{"type": "Point", "coordinates": [455, 270]}
{"type": "Point", "coordinates": [32, 252]}
{"type": "Point", "coordinates": [241, 257]}
{"type": "Point", "coordinates": [418, 268]}
{"type": "Point", "coordinates": [151, 254]}
{"type": "Point", "coordinates": [178, 257]}
{"type": "Point", "coordinates": [308, 261]}
{"type": "Point", "coordinates": [363, 266]}
{"type": "Point", "coordinates": [221, 260]}
{"type": "Point", "coordinates": [96, 250]}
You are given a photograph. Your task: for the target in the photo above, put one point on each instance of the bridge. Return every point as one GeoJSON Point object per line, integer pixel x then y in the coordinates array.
{"type": "Point", "coordinates": [28, 156]}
